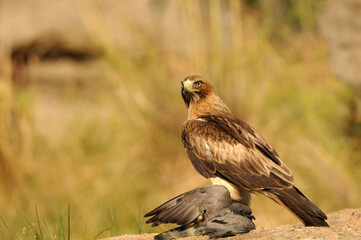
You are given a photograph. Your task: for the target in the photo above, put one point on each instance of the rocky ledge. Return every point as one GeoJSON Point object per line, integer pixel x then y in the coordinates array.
{"type": "Point", "coordinates": [344, 224]}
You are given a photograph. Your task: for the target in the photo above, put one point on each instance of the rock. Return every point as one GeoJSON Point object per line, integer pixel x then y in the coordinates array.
{"type": "Point", "coordinates": [145, 236]}
{"type": "Point", "coordinates": [340, 24]}
{"type": "Point", "coordinates": [344, 224]}
{"type": "Point", "coordinates": [55, 50]}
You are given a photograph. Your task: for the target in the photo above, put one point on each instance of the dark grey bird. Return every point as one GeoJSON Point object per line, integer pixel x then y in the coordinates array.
{"type": "Point", "coordinates": [207, 210]}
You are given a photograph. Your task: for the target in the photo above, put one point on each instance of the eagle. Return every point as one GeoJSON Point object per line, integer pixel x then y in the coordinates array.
{"type": "Point", "coordinates": [231, 153]}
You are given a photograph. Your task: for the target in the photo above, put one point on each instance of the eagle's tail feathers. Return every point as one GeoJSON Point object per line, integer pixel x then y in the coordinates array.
{"type": "Point", "coordinates": [306, 211]}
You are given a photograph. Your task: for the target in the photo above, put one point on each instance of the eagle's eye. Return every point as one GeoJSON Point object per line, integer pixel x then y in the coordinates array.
{"type": "Point", "coordinates": [198, 84]}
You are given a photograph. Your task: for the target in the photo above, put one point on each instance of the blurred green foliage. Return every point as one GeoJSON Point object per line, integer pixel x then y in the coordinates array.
{"type": "Point", "coordinates": [266, 60]}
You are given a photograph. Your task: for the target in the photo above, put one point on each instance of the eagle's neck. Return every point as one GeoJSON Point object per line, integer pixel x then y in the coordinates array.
{"type": "Point", "coordinates": [210, 105]}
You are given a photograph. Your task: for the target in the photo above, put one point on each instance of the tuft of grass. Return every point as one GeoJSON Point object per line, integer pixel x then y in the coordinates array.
{"type": "Point", "coordinates": [39, 230]}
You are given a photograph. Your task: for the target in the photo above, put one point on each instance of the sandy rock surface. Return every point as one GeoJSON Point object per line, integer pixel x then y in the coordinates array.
{"type": "Point", "coordinates": [344, 224]}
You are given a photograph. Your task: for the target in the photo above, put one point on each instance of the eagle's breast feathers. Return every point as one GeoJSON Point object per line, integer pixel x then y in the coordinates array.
{"type": "Point", "coordinates": [229, 148]}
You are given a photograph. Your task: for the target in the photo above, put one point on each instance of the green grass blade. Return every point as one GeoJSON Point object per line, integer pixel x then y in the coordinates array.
{"type": "Point", "coordinates": [39, 225]}
{"type": "Point", "coordinates": [62, 236]}
{"type": "Point", "coordinates": [140, 221]}
{"type": "Point", "coordinates": [8, 227]}
{"type": "Point", "coordinates": [101, 232]}
{"type": "Point", "coordinates": [69, 221]}
{"type": "Point", "coordinates": [114, 224]}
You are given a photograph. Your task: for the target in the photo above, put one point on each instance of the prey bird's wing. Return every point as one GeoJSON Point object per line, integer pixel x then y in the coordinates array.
{"type": "Point", "coordinates": [188, 207]}
{"type": "Point", "coordinates": [226, 225]}
{"type": "Point", "coordinates": [229, 148]}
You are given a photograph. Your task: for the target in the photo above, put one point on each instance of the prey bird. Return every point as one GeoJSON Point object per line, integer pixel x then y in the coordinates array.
{"type": "Point", "coordinates": [207, 210]}
{"type": "Point", "coordinates": [231, 153]}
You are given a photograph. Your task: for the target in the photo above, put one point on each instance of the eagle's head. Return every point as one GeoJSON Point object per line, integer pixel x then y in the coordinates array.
{"type": "Point", "coordinates": [194, 89]}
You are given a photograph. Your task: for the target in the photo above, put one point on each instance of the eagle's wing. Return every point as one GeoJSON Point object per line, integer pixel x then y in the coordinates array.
{"type": "Point", "coordinates": [231, 149]}
{"type": "Point", "coordinates": [187, 207]}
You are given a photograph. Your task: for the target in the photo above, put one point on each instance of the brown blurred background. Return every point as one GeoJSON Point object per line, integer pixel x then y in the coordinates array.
{"type": "Point", "coordinates": [90, 105]}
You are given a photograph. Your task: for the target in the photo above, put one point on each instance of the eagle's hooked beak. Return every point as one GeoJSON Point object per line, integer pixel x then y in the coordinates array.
{"type": "Point", "coordinates": [188, 87]}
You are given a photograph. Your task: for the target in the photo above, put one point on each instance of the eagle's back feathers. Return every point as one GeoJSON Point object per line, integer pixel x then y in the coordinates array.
{"type": "Point", "coordinates": [235, 155]}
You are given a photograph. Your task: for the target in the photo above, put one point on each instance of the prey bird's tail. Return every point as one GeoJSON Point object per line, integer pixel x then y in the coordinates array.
{"type": "Point", "coordinates": [293, 199]}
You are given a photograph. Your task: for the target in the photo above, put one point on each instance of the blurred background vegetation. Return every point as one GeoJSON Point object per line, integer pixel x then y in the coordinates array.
{"type": "Point", "coordinates": [90, 108]}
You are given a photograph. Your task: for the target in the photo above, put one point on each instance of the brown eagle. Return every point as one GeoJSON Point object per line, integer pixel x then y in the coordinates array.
{"type": "Point", "coordinates": [231, 153]}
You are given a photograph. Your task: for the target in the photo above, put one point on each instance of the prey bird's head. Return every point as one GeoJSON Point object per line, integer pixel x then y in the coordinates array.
{"type": "Point", "coordinates": [194, 89]}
